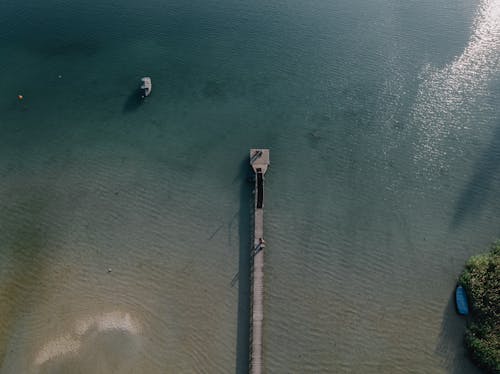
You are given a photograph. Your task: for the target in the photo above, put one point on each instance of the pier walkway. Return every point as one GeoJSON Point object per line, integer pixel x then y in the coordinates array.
{"type": "Point", "coordinates": [259, 160]}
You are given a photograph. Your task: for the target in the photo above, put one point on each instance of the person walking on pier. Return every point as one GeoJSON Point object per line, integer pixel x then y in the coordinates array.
{"type": "Point", "coordinates": [259, 246]}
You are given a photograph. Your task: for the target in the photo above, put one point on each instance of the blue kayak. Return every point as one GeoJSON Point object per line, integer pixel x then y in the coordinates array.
{"type": "Point", "coordinates": [461, 301]}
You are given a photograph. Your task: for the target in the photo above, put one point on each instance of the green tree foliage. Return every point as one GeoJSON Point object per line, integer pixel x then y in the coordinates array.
{"type": "Point", "coordinates": [481, 280]}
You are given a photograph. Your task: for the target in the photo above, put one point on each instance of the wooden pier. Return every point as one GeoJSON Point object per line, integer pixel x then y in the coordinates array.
{"type": "Point", "coordinates": [259, 160]}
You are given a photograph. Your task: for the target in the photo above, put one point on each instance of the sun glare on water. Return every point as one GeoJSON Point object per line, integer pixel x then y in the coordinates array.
{"type": "Point", "coordinates": [447, 96]}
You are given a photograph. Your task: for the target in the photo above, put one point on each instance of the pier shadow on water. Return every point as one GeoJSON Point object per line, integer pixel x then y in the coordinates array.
{"type": "Point", "coordinates": [245, 241]}
{"type": "Point", "coordinates": [26, 254]}
{"type": "Point", "coordinates": [451, 345]}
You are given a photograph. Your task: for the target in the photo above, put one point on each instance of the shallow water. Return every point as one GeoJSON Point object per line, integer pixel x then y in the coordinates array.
{"type": "Point", "coordinates": [382, 119]}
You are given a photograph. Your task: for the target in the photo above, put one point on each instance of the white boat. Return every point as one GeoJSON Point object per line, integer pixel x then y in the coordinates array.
{"type": "Point", "coordinates": [146, 86]}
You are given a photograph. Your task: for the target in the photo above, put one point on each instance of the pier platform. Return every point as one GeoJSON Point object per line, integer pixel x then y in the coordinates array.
{"type": "Point", "coordinates": [259, 160]}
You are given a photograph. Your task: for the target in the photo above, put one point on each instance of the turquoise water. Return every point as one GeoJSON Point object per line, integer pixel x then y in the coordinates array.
{"type": "Point", "coordinates": [383, 123]}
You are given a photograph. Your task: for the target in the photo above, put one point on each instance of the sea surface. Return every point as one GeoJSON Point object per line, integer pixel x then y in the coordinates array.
{"type": "Point", "coordinates": [125, 226]}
